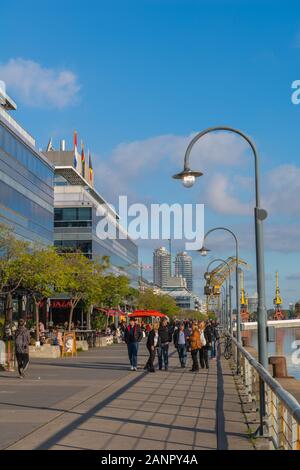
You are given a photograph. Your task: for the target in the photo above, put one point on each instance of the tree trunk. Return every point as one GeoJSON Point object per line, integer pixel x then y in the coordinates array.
{"type": "Point", "coordinates": [88, 316]}
{"type": "Point", "coordinates": [71, 316]}
{"type": "Point", "coordinates": [8, 308]}
{"type": "Point", "coordinates": [37, 319]}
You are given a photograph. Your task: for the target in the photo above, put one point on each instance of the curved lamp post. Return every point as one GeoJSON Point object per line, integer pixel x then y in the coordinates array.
{"type": "Point", "coordinates": [204, 252]}
{"type": "Point", "coordinates": [228, 294]}
{"type": "Point", "coordinates": [224, 306]}
{"type": "Point", "coordinates": [188, 178]}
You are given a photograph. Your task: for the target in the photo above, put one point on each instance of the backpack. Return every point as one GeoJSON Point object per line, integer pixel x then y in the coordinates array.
{"type": "Point", "coordinates": [202, 339]}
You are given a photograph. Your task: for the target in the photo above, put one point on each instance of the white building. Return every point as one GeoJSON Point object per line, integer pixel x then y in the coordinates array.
{"type": "Point", "coordinates": [161, 266]}
{"type": "Point", "coordinates": [184, 268]}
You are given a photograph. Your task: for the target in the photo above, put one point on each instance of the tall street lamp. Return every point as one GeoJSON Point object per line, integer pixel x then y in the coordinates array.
{"type": "Point", "coordinates": [188, 178]}
{"type": "Point", "coordinates": [228, 292]}
{"type": "Point", "coordinates": [224, 306]}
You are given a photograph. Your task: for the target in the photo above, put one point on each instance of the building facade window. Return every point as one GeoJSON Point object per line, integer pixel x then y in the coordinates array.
{"type": "Point", "coordinates": [26, 189]}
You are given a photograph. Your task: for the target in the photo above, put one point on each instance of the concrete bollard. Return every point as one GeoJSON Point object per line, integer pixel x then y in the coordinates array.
{"type": "Point", "coordinates": [279, 366]}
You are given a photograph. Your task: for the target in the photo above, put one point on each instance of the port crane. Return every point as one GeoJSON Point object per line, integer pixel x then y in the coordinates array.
{"type": "Point", "coordinates": [244, 300]}
{"type": "Point", "coordinates": [216, 278]}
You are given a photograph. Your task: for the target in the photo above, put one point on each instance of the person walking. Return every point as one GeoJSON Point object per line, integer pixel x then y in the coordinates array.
{"type": "Point", "coordinates": [180, 339]}
{"type": "Point", "coordinates": [22, 341]}
{"type": "Point", "coordinates": [195, 345]}
{"type": "Point", "coordinates": [163, 350]}
{"type": "Point", "coordinates": [206, 341]}
{"type": "Point", "coordinates": [133, 336]}
{"type": "Point", "coordinates": [153, 343]}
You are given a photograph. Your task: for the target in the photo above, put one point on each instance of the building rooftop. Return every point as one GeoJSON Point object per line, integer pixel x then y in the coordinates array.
{"type": "Point", "coordinates": [5, 101]}
{"type": "Point", "coordinates": [75, 178]}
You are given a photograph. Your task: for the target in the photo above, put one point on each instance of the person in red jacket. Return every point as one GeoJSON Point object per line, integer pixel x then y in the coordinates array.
{"type": "Point", "coordinates": [133, 336]}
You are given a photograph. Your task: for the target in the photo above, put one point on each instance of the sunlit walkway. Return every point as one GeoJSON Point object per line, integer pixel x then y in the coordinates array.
{"type": "Point", "coordinates": [95, 402]}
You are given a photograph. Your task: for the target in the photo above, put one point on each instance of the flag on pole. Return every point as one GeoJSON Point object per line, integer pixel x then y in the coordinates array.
{"type": "Point", "coordinates": [91, 168]}
{"type": "Point", "coordinates": [82, 158]}
{"type": "Point", "coordinates": [75, 150]}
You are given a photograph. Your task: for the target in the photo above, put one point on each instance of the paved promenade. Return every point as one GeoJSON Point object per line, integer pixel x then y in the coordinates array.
{"type": "Point", "coordinates": [94, 402]}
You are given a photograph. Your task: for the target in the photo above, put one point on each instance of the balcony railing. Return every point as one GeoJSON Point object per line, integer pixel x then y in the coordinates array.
{"type": "Point", "coordinates": [282, 417]}
{"type": "Point", "coordinates": [17, 127]}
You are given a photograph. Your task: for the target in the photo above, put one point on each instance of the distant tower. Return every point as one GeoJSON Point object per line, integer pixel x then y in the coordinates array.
{"type": "Point", "coordinates": [184, 268]}
{"type": "Point", "coordinates": [277, 301]}
{"type": "Point", "coordinates": [161, 266]}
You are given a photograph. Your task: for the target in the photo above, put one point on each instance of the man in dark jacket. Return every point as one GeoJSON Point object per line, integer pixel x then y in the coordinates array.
{"type": "Point", "coordinates": [22, 341]}
{"type": "Point", "coordinates": [204, 350]}
{"type": "Point", "coordinates": [215, 339]}
{"type": "Point", "coordinates": [133, 336]}
{"type": "Point", "coordinates": [165, 337]}
{"type": "Point", "coordinates": [180, 343]}
{"type": "Point", "coordinates": [153, 343]}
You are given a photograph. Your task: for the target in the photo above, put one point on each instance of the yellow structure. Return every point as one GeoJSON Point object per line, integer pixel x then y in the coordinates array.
{"type": "Point", "coordinates": [216, 278]}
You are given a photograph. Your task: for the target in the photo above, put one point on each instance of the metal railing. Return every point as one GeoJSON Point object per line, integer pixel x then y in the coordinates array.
{"type": "Point", "coordinates": [282, 418]}
{"type": "Point", "coordinates": [17, 127]}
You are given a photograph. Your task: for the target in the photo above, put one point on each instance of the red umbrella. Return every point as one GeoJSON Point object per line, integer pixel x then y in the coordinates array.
{"type": "Point", "coordinates": [147, 313]}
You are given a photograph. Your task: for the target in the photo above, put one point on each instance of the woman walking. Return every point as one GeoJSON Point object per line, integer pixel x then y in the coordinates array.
{"type": "Point", "coordinates": [153, 342]}
{"type": "Point", "coordinates": [22, 347]}
{"type": "Point", "coordinates": [195, 344]}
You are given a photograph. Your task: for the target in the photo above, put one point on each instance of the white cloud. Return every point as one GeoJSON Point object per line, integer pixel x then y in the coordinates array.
{"type": "Point", "coordinates": [37, 86]}
{"type": "Point", "coordinates": [221, 200]}
{"type": "Point", "coordinates": [282, 189]}
{"type": "Point", "coordinates": [130, 163]}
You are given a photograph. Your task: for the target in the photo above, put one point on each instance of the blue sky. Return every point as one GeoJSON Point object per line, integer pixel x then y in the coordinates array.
{"type": "Point", "coordinates": [138, 78]}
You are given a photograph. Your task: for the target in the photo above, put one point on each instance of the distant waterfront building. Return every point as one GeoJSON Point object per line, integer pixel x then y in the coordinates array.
{"type": "Point", "coordinates": [175, 282]}
{"type": "Point", "coordinates": [26, 180]}
{"type": "Point", "coordinates": [184, 268]}
{"type": "Point", "coordinates": [161, 266]}
{"type": "Point", "coordinates": [78, 208]}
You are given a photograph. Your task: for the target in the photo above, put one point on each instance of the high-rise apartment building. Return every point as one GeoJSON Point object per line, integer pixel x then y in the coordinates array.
{"type": "Point", "coordinates": [161, 266]}
{"type": "Point", "coordinates": [184, 268]}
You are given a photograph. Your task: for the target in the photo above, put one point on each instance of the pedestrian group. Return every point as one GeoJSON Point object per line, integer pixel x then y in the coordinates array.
{"type": "Point", "coordinates": [198, 338]}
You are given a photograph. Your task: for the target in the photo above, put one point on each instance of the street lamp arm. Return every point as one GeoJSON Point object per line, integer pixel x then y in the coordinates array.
{"type": "Point", "coordinates": [220, 260]}
{"type": "Point", "coordinates": [221, 228]}
{"type": "Point", "coordinates": [235, 131]}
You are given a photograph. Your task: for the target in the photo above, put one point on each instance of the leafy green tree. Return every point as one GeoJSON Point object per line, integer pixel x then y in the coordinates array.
{"type": "Point", "coordinates": [83, 279]}
{"type": "Point", "coordinates": [162, 302]}
{"type": "Point", "coordinates": [12, 252]}
{"type": "Point", "coordinates": [114, 290]}
{"type": "Point", "coordinates": [43, 275]}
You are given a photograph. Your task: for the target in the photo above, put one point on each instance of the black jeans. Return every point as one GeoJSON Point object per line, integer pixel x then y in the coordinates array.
{"type": "Point", "coordinates": [149, 365]}
{"type": "Point", "coordinates": [22, 360]}
{"type": "Point", "coordinates": [194, 354]}
{"type": "Point", "coordinates": [203, 353]}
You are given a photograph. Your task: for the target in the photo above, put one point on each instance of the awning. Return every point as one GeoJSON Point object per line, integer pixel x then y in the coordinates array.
{"type": "Point", "coordinates": [147, 313]}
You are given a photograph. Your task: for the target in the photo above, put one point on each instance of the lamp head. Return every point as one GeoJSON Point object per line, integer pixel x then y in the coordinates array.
{"type": "Point", "coordinates": [203, 251]}
{"type": "Point", "coordinates": [188, 177]}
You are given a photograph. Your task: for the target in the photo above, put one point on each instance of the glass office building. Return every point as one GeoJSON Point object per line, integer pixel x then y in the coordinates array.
{"type": "Point", "coordinates": [77, 215]}
{"type": "Point", "coordinates": [26, 181]}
